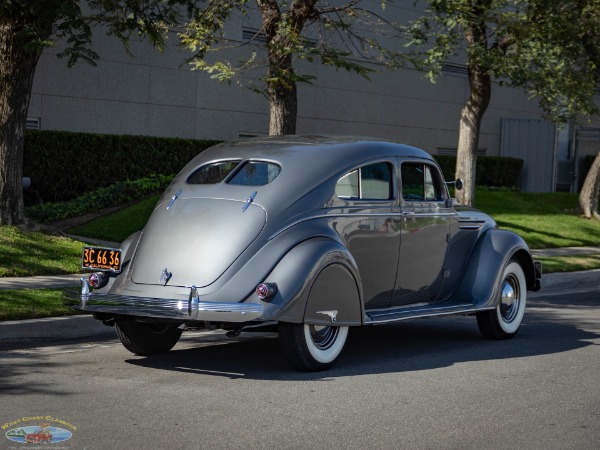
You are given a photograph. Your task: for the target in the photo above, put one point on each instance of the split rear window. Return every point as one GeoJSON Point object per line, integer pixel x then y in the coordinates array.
{"type": "Point", "coordinates": [248, 173]}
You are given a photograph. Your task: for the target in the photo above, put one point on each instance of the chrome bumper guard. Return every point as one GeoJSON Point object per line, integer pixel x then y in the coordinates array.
{"type": "Point", "coordinates": [160, 308]}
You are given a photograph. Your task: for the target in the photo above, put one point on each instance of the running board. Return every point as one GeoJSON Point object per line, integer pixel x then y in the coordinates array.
{"type": "Point", "coordinates": [414, 312]}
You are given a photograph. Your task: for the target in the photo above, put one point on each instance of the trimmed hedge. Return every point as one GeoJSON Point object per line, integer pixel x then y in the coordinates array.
{"type": "Point", "coordinates": [63, 165]}
{"type": "Point", "coordinates": [496, 171]}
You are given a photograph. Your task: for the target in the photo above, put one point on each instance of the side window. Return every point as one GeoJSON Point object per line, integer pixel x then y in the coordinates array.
{"type": "Point", "coordinates": [372, 182]}
{"type": "Point", "coordinates": [419, 183]}
{"type": "Point", "coordinates": [347, 187]}
{"type": "Point", "coordinates": [432, 191]}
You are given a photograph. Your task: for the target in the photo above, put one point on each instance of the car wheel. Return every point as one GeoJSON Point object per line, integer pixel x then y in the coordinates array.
{"type": "Point", "coordinates": [147, 338]}
{"type": "Point", "coordinates": [312, 347]}
{"type": "Point", "coordinates": [504, 321]}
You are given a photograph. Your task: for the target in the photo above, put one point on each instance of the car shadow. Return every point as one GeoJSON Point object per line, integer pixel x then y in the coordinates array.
{"type": "Point", "coordinates": [411, 346]}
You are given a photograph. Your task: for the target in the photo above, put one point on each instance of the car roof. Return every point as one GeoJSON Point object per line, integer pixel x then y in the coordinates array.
{"type": "Point", "coordinates": [296, 149]}
{"type": "Point", "coordinates": [307, 162]}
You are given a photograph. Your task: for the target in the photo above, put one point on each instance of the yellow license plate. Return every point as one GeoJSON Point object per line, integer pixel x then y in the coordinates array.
{"type": "Point", "coordinates": [101, 258]}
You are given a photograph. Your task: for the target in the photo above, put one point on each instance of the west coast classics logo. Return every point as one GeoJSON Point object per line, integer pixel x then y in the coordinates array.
{"type": "Point", "coordinates": [38, 430]}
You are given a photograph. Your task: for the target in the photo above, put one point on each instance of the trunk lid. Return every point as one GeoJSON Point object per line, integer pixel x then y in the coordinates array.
{"type": "Point", "coordinates": [196, 240]}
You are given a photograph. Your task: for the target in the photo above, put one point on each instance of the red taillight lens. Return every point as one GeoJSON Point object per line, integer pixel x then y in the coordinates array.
{"type": "Point", "coordinates": [266, 291]}
{"type": "Point", "coordinates": [97, 280]}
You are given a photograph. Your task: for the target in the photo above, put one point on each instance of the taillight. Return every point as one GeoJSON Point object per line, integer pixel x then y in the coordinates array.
{"type": "Point", "coordinates": [98, 279]}
{"type": "Point", "coordinates": [266, 291]}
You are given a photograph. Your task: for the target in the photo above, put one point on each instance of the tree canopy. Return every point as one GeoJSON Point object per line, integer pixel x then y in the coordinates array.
{"type": "Point", "coordinates": [548, 48]}
{"type": "Point", "coordinates": [346, 35]}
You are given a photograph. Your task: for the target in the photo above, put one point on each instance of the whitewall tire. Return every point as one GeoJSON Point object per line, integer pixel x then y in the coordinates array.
{"type": "Point", "coordinates": [312, 347]}
{"type": "Point", "coordinates": [504, 321]}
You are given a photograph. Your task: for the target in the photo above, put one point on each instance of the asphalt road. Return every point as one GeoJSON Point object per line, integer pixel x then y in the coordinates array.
{"type": "Point", "coordinates": [431, 383]}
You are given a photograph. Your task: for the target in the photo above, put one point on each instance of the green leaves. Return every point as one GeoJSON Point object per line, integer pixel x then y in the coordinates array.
{"type": "Point", "coordinates": [550, 49]}
{"type": "Point", "coordinates": [344, 35]}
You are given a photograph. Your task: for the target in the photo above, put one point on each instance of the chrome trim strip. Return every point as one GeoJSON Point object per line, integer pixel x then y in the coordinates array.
{"type": "Point", "coordinates": [470, 227]}
{"type": "Point", "coordinates": [401, 214]}
{"type": "Point", "coordinates": [415, 314]}
{"type": "Point", "coordinates": [469, 220]}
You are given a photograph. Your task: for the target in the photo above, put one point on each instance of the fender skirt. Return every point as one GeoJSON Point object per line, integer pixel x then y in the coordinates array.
{"type": "Point", "coordinates": [317, 283]}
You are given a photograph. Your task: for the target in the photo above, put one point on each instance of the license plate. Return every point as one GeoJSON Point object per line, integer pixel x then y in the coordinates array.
{"type": "Point", "coordinates": [101, 258]}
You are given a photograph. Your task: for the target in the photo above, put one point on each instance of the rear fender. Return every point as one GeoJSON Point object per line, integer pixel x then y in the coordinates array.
{"type": "Point", "coordinates": [128, 246]}
{"type": "Point", "coordinates": [493, 251]}
{"type": "Point", "coordinates": [317, 281]}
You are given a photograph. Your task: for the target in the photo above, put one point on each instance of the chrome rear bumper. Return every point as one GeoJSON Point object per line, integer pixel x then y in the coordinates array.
{"type": "Point", "coordinates": [160, 308]}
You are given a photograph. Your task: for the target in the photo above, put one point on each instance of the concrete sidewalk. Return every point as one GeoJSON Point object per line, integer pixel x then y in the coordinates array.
{"type": "Point", "coordinates": [41, 282]}
{"type": "Point", "coordinates": [565, 251]}
{"type": "Point", "coordinates": [77, 327]}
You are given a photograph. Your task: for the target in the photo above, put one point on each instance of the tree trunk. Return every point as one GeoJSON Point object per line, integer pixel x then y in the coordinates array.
{"type": "Point", "coordinates": [17, 68]}
{"type": "Point", "coordinates": [282, 29]}
{"type": "Point", "coordinates": [468, 138]}
{"type": "Point", "coordinates": [480, 85]}
{"type": "Point", "coordinates": [283, 101]}
{"type": "Point", "coordinates": [590, 192]}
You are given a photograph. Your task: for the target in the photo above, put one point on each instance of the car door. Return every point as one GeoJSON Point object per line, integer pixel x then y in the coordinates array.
{"type": "Point", "coordinates": [424, 233]}
{"type": "Point", "coordinates": [370, 229]}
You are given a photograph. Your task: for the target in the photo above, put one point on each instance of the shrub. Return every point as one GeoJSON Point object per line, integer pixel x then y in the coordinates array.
{"type": "Point", "coordinates": [496, 171]}
{"type": "Point", "coordinates": [113, 195]}
{"type": "Point", "coordinates": [63, 165]}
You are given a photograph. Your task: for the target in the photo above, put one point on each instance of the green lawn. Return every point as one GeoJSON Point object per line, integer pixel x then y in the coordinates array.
{"type": "Point", "coordinates": [118, 226]}
{"type": "Point", "coordinates": [32, 304]}
{"type": "Point", "coordinates": [544, 220]}
{"type": "Point", "coordinates": [31, 253]}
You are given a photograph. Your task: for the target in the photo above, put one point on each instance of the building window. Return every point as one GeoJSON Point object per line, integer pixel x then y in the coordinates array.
{"type": "Point", "coordinates": [33, 123]}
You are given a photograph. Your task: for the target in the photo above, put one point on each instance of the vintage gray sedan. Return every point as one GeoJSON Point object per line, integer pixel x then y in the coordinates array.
{"type": "Point", "coordinates": [315, 234]}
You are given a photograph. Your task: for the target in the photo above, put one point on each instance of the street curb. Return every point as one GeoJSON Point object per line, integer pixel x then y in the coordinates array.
{"type": "Point", "coordinates": [85, 326]}
{"type": "Point", "coordinates": [570, 280]}
{"type": "Point", "coordinates": [52, 328]}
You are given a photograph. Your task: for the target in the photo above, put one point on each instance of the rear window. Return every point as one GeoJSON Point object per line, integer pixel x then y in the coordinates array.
{"type": "Point", "coordinates": [255, 173]}
{"type": "Point", "coordinates": [212, 173]}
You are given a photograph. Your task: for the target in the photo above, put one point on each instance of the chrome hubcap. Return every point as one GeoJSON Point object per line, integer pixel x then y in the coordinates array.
{"type": "Point", "coordinates": [323, 337]}
{"type": "Point", "coordinates": [510, 298]}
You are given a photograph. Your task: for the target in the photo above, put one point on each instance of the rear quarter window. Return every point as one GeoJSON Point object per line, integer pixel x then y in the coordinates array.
{"type": "Point", "coordinates": [371, 182]}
